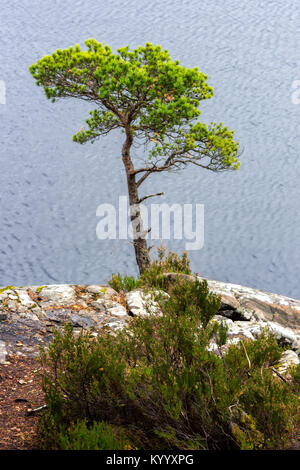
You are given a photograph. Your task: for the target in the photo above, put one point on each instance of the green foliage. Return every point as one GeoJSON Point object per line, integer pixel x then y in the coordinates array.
{"type": "Point", "coordinates": [123, 283]}
{"type": "Point", "coordinates": [193, 300]}
{"type": "Point", "coordinates": [154, 276]}
{"type": "Point", "coordinates": [264, 352]}
{"type": "Point", "coordinates": [221, 337]}
{"type": "Point", "coordinates": [6, 288]}
{"type": "Point", "coordinates": [158, 380]}
{"type": "Point", "coordinates": [39, 289]}
{"type": "Point", "coordinates": [267, 404]}
{"type": "Point", "coordinates": [99, 436]}
{"type": "Point", "coordinates": [273, 405]}
{"type": "Point", "coordinates": [146, 91]}
{"type": "Point", "coordinates": [295, 374]}
{"type": "Point", "coordinates": [88, 375]}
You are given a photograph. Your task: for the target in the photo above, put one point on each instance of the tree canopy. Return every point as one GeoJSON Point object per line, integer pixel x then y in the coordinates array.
{"type": "Point", "coordinates": [152, 98]}
{"type": "Point", "coordinates": [143, 87]}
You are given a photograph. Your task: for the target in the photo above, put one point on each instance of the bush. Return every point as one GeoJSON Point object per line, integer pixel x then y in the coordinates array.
{"type": "Point", "coordinates": [158, 380]}
{"type": "Point", "coordinates": [99, 436]}
{"type": "Point", "coordinates": [123, 284]}
{"type": "Point", "coordinates": [266, 406]}
{"type": "Point", "coordinates": [295, 374]}
{"type": "Point", "coordinates": [154, 276]}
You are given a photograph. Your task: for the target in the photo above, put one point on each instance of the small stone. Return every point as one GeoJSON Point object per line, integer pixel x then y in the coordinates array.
{"type": "Point", "coordinates": [13, 297]}
{"type": "Point", "coordinates": [3, 352]}
{"type": "Point", "coordinates": [3, 316]}
{"type": "Point", "coordinates": [142, 304]}
{"type": "Point", "coordinates": [115, 325]}
{"type": "Point", "coordinates": [24, 298]}
{"type": "Point", "coordinates": [97, 304]}
{"type": "Point", "coordinates": [102, 290]}
{"type": "Point", "coordinates": [83, 322]}
{"type": "Point", "coordinates": [119, 311]}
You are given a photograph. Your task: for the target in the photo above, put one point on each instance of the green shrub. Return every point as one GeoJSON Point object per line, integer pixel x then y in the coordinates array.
{"type": "Point", "coordinates": [295, 374]}
{"type": "Point", "coordinates": [273, 406]}
{"type": "Point", "coordinates": [266, 403]}
{"type": "Point", "coordinates": [154, 276]}
{"type": "Point", "coordinates": [158, 380]}
{"type": "Point", "coordinates": [100, 436]}
{"type": "Point", "coordinates": [83, 377]}
{"type": "Point", "coordinates": [123, 283]}
{"type": "Point", "coordinates": [264, 352]}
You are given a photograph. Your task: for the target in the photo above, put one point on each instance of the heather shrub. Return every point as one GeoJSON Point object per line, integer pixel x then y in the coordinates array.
{"type": "Point", "coordinates": [158, 380]}
{"type": "Point", "coordinates": [154, 276]}
{"type": "Point", "coordinates": [83, 376]}
{"type": "Point", "coordinates": [273, 406]}
{"type": "Point", "coordinates": [99, 436]}
{"type": "Point", "coordinates": [295, 374]}
{"type": "Point", "coordinates": [123, 283]}
{"type": "Point", "coordinates": [266, 403]}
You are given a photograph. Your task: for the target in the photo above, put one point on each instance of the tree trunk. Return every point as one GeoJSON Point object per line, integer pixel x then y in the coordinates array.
{"type": "Point", "coordinates": [139, 241]}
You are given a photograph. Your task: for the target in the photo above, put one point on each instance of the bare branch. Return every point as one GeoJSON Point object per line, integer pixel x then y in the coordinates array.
{"type": "Point", "coordinates": [150, 195]}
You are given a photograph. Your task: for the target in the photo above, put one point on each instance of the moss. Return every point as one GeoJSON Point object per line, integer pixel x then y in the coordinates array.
{"type": "Point", "coordinates": [6, 288]}
{"type": "Point", "coordinates": [39, 289]}
{"type": "Point", "coordinates": [32, 306]}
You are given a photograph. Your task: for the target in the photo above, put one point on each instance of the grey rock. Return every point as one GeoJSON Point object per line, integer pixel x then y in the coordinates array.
{"type": "Point", "coordinates": [229, 302]}
{"type": "Point", "coordinates": [63, 294]}
{"type": "Point", "coordinates": [13, 296]}
{"type": "Point", "coordinates": [102, 290]}
{"type": "Point", "coordinates": [245, 311]}
{"type": "Point", "coordinates": [263, 305]}
{"type": "Point", "coordinates": [118, 311]}
{"type": "Point", "coordinates": [5, 294]}
{"type": "Point", "coordinates": [57, 315]}
{"type": "Point", "coordinates": [81, 321]}
{"type": "Point", "coordinates": [141, 304]}
{"type": "Point", "coordinates": [3, 352]}
{"type": "Point", "coordinates": [98, 304]}
{"type": "Point", "coordinates": [115, 324]}
{"type": "Point", "coordinates": [285, 335]}
{"type": "Point", "coordinates": [24, 298]}
{"type": "Point", "coordinates": [12, 305]}
{"type": "Point", "coordinates": [288, 360]}
{"type": "Point", "coordinates": [239, 332]}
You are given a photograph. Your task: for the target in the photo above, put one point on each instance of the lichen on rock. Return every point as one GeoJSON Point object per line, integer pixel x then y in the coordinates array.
{"type": "Point", "coordinates": [29, 315]}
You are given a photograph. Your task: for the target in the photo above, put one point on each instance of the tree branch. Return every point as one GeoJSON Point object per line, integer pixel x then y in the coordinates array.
{"type": "Point", "coordinates": [150, 195]}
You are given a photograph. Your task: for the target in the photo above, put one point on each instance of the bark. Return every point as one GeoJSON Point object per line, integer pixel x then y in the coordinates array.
{"type": "Point", "coordinates": [139, 241]}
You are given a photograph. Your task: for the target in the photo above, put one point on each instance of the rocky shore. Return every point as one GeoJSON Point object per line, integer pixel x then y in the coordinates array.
{"type": "Point", "coordinates": [30, 314]}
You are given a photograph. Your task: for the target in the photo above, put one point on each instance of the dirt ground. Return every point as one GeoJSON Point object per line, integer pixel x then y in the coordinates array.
{"type": "Point", "coordinates": [20, 392]}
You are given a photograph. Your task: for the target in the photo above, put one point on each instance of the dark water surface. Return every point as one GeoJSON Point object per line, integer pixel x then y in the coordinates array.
{"type": "Point", "coordinates": [50, 187]}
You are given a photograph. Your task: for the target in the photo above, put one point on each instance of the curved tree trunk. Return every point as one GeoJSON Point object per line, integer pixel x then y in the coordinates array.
{"type": "Point", "coordinates": [139, 241]}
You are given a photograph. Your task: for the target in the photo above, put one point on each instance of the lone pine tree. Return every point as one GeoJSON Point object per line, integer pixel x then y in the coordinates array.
{"type": "Point", "coordinates": [153, 99]}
